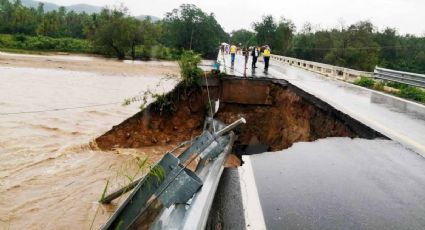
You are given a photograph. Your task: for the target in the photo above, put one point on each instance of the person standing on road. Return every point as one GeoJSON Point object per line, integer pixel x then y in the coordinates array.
{"type": "Point", "coordinates": [266, 55]}
{"type": "Point", "coordinates": [245, 53]}
{"type": "Point", "coordinates": [233, 50]}
{"type": "Point", "coordinates": [255, 53]}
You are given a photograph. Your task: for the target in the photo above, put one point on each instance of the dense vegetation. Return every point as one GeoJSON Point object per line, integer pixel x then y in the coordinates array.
{"type": "Point", "coordinates": [192, 29]}
{"type": "Point", "coordinates": [113, 32]}
{"type": "Point", "coordinates": [37, 43]}
{"type": "Point", "coordinates": [359, 46]}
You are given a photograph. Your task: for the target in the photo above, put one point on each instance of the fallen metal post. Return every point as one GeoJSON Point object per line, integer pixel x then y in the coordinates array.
{"type": "Point", "coordinates": [231, 127]}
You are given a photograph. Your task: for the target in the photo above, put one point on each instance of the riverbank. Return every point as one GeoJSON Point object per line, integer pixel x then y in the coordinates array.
{"type": "Point", "coordinates": [89, 63]}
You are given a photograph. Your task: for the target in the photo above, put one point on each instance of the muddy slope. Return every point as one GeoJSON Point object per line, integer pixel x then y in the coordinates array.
{"type": "Point", "coordinates": [156, 126]}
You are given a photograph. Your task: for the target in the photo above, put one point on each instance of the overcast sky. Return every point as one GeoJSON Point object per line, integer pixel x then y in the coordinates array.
{"type": "Point", "coordinates": [408, 16]}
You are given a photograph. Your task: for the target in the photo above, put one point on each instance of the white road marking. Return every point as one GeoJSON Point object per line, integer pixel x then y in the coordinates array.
{"type": "Point", "coordinates": [254, 218]}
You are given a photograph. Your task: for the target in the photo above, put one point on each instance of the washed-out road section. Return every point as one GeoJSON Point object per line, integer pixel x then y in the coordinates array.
{"type": "Point", "coordinates": [338, 182]}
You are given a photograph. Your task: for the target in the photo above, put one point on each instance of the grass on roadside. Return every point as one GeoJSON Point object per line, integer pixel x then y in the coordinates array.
{"type": "Point", "coordinates": [365, 82]}
{"type": "Point", "coordinates": [402, 90]}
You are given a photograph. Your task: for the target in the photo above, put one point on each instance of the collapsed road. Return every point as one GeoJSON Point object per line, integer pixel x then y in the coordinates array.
{"type": "Point", "coordinates": [307, 162]}
{"type": "Point", "coordinates": [331, 183]}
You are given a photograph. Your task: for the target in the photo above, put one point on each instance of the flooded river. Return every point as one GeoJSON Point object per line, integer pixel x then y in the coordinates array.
{"type": "Point", "coordinates": [50, 177]}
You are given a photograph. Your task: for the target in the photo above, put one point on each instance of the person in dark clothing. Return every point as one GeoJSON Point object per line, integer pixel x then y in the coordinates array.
{"type": "Point", "coordinates": [255, 53]}
{"type": "Point", "coordinates": [245, 53]}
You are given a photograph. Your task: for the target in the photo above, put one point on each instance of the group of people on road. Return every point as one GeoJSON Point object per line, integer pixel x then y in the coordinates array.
{"type": "Point", "coordinates": [254, 51]}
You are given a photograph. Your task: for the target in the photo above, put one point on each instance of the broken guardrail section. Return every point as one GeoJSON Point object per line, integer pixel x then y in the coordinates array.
{"type": "Point", "coordinates": [170, 195]}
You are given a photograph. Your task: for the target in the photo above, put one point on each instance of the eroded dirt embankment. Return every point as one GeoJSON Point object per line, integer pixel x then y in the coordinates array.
{"type": "Point", "coordinates": [180, 120]}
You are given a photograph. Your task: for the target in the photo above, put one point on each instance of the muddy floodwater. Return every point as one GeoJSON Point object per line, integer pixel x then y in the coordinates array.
{"type": "Point", "coordinates": [50, 177]}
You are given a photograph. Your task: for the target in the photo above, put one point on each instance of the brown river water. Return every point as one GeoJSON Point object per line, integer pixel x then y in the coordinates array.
{"type": "Point", "coordinates": [50, 177]}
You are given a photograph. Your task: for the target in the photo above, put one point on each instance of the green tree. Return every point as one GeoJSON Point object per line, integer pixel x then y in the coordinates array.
{"type": "Point", "coordinates": [303, 43]}
{"type": "Point", "coordinates": [355, 47]}
{"type": "Point", "coordinates": [283, 36]}
{"type": "Point", "coordinates": [147, 34]}
{"type": "Point", "coordinates": [389, 42]}
{"type": "Point", "coordinates": [266, 30]}
{"type": "Point", "coordinates": [190, 28]}
{"type": "Point", "coordinates": [244, 37]}
{"type": "Point", "coordinates": [114, 32]}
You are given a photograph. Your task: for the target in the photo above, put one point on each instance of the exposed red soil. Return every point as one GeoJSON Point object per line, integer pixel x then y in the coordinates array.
{"type": "Point", "coordinates": [151, 127]}
{"type": "Point", "coordinates": [289, 119]}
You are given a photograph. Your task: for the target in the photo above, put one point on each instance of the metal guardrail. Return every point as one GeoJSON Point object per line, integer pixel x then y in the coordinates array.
{"type": "Point", "coordinates": [336, 72]}
{"type": "Point", "coordinates": [352, 75]}
{"type": "Point", "coordinates": [194, 214]}
{"type": "Point", "coordinates": [181, 198]}
{"type": "Point", "coordinates": [407, 78]}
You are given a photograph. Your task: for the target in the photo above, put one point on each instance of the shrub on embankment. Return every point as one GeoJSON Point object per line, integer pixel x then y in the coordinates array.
{"type": "Point", "coordinates": [172, 117]}
{"type": "Point", "coordinates": [365, 82]}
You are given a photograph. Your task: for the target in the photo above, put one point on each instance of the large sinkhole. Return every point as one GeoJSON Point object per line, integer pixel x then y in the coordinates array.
{"type": "Point", "coordinates": [278, 115]}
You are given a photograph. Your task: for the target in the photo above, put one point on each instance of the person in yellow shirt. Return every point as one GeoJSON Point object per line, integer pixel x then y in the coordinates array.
{"type": "Point", "coordinates": [266, 55]}
{"type": "Point", "coordinates": [233, 50]}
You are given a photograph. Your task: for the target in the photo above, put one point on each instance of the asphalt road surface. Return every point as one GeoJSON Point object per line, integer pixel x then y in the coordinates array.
{"type": "Point", "coordinates": [339, 183]}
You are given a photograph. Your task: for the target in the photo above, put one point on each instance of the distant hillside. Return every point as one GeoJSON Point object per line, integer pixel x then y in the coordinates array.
{"type": "Point", "coordinates": [51, 6]}
{"type": "Point", "coordinates": [34, 4]}
{"type": "Point", "coordinates": [143, 17]}
{"type": "Point", "coordinates": [90, 9]}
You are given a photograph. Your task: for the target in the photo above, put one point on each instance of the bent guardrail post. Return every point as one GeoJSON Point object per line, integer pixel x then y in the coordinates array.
{"type": "Point", "coordinates": [206, 138]}
{"type": "Point", "coordinates": [231, 127]}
